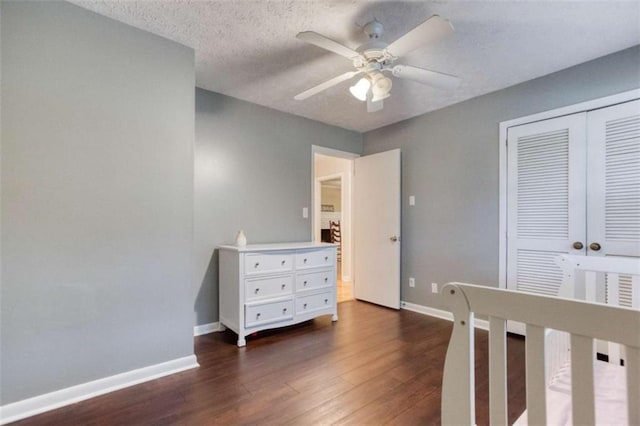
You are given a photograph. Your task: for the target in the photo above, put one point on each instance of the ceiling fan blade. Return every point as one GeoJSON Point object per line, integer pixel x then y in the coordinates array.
{"type": "Point", "coordinates": [328, 44]}
{"type": "Point", "coordinates": [430, 30]}
{"type": "Point", "coordinates": [373, 106]}
{"type": "Point", "coordinates": [324, 86]}
{"type": "Point", "coordinates": [432, 78]}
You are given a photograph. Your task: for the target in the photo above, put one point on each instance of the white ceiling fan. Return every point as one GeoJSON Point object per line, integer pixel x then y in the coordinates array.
{"type": "Point", "coordinates": [375, 57]}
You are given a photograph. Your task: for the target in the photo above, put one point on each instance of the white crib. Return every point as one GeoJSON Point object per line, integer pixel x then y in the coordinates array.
{"type": "Point", "coordinates": [549, 354]}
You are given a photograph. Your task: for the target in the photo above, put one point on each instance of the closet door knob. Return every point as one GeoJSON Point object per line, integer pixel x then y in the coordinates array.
{"type": "Point", "coordinates": [578, 245]}
{"type": "Point", "coordinates": [595, 246]}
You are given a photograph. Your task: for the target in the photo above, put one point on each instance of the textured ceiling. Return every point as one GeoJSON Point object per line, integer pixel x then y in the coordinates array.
{"type": "Point", "coordinates": [248, 50]}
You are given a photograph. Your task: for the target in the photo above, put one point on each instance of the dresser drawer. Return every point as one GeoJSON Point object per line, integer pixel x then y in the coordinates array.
{"type": "Point", "coordinates": [267, 262]}
{"type": "Point", "coordinates": [313, 280]}
{"type": "Point", "coordinates": [259, 288]}
{"type": "Point", "coordinates": [315, 259]}
{"type": "Point", "coordinates": [314, 302]}
{"type": "Point", "coordinates": [264, 313]}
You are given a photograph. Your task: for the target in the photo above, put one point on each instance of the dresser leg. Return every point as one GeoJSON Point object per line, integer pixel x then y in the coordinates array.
{"type": "Point", "coordinates": [334, 317]}
{"type": "Point", "coordinates": [242, 342]}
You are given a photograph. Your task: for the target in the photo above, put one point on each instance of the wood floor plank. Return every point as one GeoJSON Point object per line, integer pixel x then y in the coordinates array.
{"type": "Point", "coordinates": [374, 366]}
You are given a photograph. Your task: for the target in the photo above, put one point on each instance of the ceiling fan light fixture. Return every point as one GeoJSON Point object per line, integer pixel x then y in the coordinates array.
{"type": "Point", "coordinates": [381, 86]}
{"type": "Point", "coordinates": [360, 89]}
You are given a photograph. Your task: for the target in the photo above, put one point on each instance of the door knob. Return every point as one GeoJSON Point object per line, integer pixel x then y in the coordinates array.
{"type": "Point", "coordinates": [578, 245]}
{"type": "Point", "coordinates": [394, 239]}
{"type": "Point", "coordinates": [595, 246]}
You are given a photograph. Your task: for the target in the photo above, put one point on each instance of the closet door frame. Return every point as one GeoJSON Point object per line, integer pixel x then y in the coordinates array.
{"type": "Point", "coordinates": [504, 126]}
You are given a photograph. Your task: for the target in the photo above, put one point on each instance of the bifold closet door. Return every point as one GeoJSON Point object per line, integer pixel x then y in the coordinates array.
{"type": "Point", "coordinates": [613, 180]}
{"type": "Point", "coordinates": [545, 200]}
{"type": "Point", "coordinates": [613, 187]}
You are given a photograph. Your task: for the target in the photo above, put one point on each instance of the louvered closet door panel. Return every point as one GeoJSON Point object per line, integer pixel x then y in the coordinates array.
{"type": "Point", "coordinates": [613, 185]}
{"type": "Point", "coordinates": [613, 180]}
{"type": "Point", "coordinates": [546, 200]}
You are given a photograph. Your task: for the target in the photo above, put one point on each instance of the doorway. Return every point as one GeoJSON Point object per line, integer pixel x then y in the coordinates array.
{"type": "Point", "coordinates": [333, 214]}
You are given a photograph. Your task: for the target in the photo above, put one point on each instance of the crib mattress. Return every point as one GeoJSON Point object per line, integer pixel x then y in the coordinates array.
{"type": "Point", "coordinates": [610, 396]}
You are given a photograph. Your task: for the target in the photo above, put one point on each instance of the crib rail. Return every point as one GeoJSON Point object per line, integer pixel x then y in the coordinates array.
{"type": "Point", "coordinates": [584, 321]}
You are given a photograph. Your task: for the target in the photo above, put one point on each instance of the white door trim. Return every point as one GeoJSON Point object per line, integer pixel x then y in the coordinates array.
{"type": "Point", "coordinates": [502, 185]}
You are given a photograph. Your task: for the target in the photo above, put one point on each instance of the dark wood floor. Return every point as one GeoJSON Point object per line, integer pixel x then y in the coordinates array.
{"type": "Point", "coordinates": [374, 366]}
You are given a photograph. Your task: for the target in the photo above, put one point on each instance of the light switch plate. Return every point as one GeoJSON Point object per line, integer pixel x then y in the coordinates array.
{"type": "Point", "coordinates": [412, 282]}
{"type": "Point", "coordinates": [305, 212]}
{"type": "Point", "coordinates": [412, 200]}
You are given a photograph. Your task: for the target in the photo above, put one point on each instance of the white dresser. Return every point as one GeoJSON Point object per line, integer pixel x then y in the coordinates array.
{"type": "Point", "coordinates": [266, 286]}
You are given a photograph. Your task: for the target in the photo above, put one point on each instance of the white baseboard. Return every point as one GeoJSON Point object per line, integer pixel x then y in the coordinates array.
{"type": "Point", "coordinates": [439, 313]}
{"type": "Point", "coordinates": [212, 327]}
{"type": "Point", "coordinates": [50, 401]}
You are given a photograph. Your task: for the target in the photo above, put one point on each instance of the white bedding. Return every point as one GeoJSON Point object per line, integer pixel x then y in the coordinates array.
{"type": "Point", "coordinates": [610, 395]}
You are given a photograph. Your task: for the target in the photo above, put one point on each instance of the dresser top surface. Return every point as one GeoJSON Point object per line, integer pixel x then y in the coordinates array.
{"type": "Point", "coordinates": [277, 246]}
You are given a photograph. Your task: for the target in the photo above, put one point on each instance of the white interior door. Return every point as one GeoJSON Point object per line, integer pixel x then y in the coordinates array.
{"type": "Point", "coordinates": [377, 228]}
{"type": "Point", "coordinates": [546, 200]}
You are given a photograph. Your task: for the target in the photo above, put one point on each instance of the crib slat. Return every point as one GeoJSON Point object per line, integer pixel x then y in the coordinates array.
{"type": "Point", "coordinates": [590, 279]}
{"type": "Point", "coordinates": [536, 383]}
{"type": "Point", "coordinates": [497, 371]}
{"type": "Point", "coordinates": [632, 364]}
{"type": "Point", "coordinates": [582, 393]}
{"type": "Point", "coordinates": [613, 298]}
{"type": "Point", "coordinates": [635, 291]}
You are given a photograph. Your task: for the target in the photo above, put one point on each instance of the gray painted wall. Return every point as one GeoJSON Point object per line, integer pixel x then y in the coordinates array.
{"type": "Point", "coordinates": [252, 172]}
{"type": "Point", "coordinates": [97, 198]}
{"type": "Point", "coordinates": [450, 163]}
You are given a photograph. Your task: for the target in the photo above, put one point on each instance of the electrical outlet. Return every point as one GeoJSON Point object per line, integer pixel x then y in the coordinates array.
{"type": "Point", "coordinates": [434, 287]}
{"type": "Point", "coordinates": [412, 282]}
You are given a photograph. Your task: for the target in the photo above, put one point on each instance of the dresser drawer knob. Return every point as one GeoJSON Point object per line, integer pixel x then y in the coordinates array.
{"type": "Point", "coordinates": [326, 300]}
{"type": "Point", "coordinates": [284, 310]}
{"type": "Point", "coordinates": [304, 283]}
{"type": "Point", "coordinates": [326, 279]}
{"type": "Point", "coordinates": [305, 260]}
{"type": "Point", "coordinates": [258, 315]}
{"type": "Point", "coordinates": [283, 286]}
{"type": "Point", "coordinates": [257, 290]}
{"type": "Point", "coordinates": [326, 258]}
{"type": "Point", "coordinates": [305, 306]}
{"type": "Point", "coordinates": [256, 265]}
{"type": "Point", "coordinates": [283, 262]}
